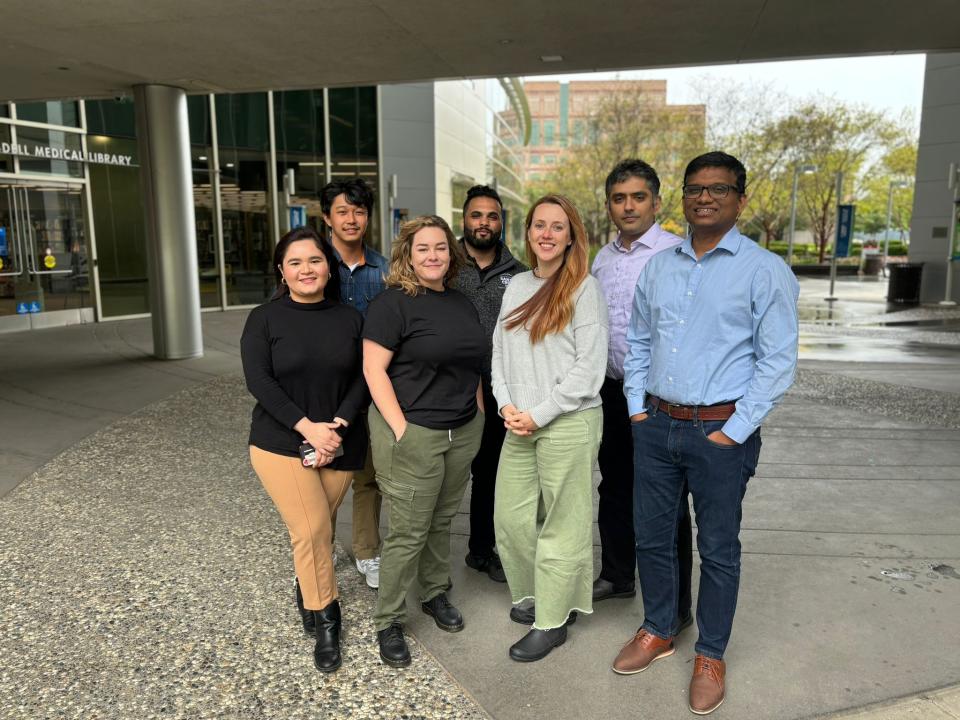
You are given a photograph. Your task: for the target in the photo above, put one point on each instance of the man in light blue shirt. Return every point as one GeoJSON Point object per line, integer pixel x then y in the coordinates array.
{"type": "Point", "coordinates": [712, 348]}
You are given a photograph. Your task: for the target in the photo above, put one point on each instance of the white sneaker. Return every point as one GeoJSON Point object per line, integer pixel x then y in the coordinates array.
{"type": "Point", "coordinates": [370, 569]}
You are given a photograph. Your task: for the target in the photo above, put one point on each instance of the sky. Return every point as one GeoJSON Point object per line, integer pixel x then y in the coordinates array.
{"type": "Point", "coordinates": [886, 82]}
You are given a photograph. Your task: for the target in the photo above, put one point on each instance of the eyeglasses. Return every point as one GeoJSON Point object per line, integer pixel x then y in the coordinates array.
{"type": "Point", "coordinates": [718, 191]}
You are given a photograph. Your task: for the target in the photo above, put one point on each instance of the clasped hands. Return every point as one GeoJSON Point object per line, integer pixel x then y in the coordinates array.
{"type": "Point", "coordinates": [518, 422]}
{"type": "Point", "coordinates": [323, 436]}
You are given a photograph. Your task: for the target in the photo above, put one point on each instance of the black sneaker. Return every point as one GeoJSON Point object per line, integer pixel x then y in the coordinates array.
{"type": "Point", "coordinates": [393, 646]}
{"type": "Point", "coordinates": [445, 615]}
{"type": "Point", "coordinates": [490, 565]}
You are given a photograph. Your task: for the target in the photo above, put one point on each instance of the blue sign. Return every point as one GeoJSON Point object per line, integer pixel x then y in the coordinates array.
{"type": "Point", "coordinates": [298, 216]}
{"type": "Point", "coordinates": [34, 307]}
{"type": "Point", "coordinates": [844, 230]}
{"type": "Point", "coordinates": [22, 309]}
{"type": "Point", "coordinates": [4, 250]}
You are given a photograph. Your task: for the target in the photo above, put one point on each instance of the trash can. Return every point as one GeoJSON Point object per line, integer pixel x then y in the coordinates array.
{"type": "Point", "coordinates": [871, 262]}
{"type": "Point", "coordinates": [904, 283]}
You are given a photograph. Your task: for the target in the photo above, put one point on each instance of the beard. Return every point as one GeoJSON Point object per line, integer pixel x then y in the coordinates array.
{"type": "Point", "coordinates": [480, 243]}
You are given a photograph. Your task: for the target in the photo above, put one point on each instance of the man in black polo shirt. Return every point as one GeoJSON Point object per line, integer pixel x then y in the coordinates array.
{"type": "Point", "coordinates": [484, 278]}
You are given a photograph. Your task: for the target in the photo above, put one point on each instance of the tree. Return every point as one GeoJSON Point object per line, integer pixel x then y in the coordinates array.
{"type": "Point", "coordinates": [897, 165]}
{"type": "Point", "coordinates": [743, 123]}
{"type": "Point", "coordinates": [837, 138]}
{"type": "Point", "coordinates": [624, 126]}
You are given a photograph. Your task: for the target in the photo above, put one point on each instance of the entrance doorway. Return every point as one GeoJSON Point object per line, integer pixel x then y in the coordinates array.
{"type": "Point", "coordinates": [43, 248]}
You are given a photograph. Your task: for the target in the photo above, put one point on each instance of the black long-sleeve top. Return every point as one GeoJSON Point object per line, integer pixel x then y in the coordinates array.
{"type": "Point", "coordinates": [304, 360]}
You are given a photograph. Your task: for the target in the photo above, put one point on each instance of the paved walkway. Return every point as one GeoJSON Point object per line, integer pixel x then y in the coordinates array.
{"type": "Point", "coordinates": [145, 574]}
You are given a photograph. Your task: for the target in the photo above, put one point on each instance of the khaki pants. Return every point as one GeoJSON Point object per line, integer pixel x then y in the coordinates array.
{"type": "Point", "coordinates": [306, 499]}
{"type": "Point", "coordinates": [367, 501]}
{"type": "Point", "coordinates": [552, 563]}
{"type": "Point", "coordinates": [366, 511]}
{"type": "Point", "coordinates": [423, 477]}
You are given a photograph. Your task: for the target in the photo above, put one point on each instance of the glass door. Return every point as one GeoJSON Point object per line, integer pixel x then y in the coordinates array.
{"type": "Point", "coordinates": [43, 248]}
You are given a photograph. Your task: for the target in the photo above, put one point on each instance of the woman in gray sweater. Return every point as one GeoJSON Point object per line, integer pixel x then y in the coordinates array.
{"type": "Point", "coordinates": [549, 360]}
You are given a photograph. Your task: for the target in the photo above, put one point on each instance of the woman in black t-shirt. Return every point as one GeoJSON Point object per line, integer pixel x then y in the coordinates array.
{"type": "Point", "coordinates": [301, 357]}
{"type": "Point", "coordinates": [423, 350]}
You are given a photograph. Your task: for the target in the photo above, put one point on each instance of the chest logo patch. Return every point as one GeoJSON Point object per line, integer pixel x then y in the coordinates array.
{"type": "Point", "coordinates": [505, 279]}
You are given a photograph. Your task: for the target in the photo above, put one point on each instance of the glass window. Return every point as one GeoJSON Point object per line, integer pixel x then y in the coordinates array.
{"type": "Point", "coordinates": [111, 117]}
{"type": "Point", "coordinates": [353, 142]}
{"type": "Point", "coordinates": [534, 159]}
{"type": "Point", "coordinates": [549, 128]}
{"type": "Point", "coordinates": [300, 147]}
{"type": "Point", "coordinates": [4, 110]}
{"type": "Point", "coordinates": [58, 112]}
{"type": "Point", "coordinates": [242, 132]}
{"type": "Point", "coordinates": [121, 233]}
{"type": "Point", "coordinates": [201, 156]}
{"type": "Point", "coordinates": [534, 132]}
{"type": "Point", "coordinates": [551, 159]}
{"type": "Point", "coordinates": [42, 143]}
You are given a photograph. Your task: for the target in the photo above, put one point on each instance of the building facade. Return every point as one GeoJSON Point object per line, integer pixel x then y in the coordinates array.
{"type": "Point", "coordinates": [73, 245]}
{"type": "Point", "coordinates": [560, 115]}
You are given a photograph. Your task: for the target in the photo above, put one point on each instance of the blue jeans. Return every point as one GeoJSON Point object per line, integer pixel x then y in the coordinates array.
{"type": "Point", "coordinates": [667, 454]}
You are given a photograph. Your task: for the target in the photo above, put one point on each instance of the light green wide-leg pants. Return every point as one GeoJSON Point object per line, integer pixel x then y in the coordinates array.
{"type": "Point", "coordinates": [552, 564]}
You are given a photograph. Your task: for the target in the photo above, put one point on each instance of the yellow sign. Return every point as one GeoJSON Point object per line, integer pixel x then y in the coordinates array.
{"type": "Point", "coordinates": [1, 263]}
{"type": "Point", "coordinates": [50, 261]}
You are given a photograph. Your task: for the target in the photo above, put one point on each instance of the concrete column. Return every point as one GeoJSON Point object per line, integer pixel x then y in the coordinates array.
{"type": "Point", "coordinates": [939, 146]}
{"type": "Point", "coordinates": [163, 140]}
{"type": "Point", "coordinates": [408, 149]}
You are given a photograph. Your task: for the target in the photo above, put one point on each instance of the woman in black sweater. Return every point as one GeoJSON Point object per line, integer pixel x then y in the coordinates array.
{"type": "Point", "coordinates": [301, 355]}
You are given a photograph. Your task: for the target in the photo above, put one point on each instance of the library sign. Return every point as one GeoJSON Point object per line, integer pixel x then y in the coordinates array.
{"type": "Point", "coordinates": [45, 152]}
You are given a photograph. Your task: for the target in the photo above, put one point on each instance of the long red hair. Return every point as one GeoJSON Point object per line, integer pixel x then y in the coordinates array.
{"type": "Point", "coordinates": [550, 309]}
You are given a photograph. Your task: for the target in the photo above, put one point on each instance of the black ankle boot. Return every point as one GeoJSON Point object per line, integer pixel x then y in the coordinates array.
{"type": "Point", "coordinates": [326, 653]}
{"type": "Point", "coordinates": [393, 646]}
{"type": "Point", "coordinates": [305, 615]}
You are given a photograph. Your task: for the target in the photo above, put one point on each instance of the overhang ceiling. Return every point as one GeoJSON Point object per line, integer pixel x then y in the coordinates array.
{"type": "Point", "coordinates": [100, 48]}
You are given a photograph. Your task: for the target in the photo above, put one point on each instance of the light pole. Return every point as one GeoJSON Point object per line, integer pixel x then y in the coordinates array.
{"type": "Point", "coordinates": [833, 258]}
{"type": "Point", "coordinates": [886, 237]}
{"type": "Point", "coordinates": [806, 170]}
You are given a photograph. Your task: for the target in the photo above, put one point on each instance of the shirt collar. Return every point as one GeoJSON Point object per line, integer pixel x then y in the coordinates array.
{"type": "Point", "coordinates": [729, 242]}
{"type": "Point", "coordinates": [649, 239]}
{"type": "Point", "coordinates": [369, 258]}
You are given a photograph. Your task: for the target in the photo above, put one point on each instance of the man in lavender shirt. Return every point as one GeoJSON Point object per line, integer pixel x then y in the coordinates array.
{"type": "Point", "coordinates": [633, 200]}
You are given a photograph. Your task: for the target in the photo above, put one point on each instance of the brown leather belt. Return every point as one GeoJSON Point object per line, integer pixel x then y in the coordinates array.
{"type": "Point", "coordinates": [693, 412]}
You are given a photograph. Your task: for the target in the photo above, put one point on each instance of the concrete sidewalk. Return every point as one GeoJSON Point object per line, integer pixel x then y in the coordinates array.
{"type": "Point", "coordinates": [145, 571]}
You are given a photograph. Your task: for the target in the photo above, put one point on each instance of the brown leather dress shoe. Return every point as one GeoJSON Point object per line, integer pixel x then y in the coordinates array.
{"type": "Point", "coordinates": [637, 655]}
{"type": "Point", "coordinates": [706, 685]}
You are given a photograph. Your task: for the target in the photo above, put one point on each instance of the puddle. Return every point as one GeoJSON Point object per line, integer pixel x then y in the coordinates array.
{"type": "Point", "coordinates": [897, 574]}
{"type": "Point", "coordinates": [946, 571]}
{"type": "Point", "coordinates": [867, 349]}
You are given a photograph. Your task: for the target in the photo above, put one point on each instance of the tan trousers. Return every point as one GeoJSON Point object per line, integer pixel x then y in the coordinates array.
{"type": "Point", "coordinates": [306, 498]}
{"type": "Point", "coordinates": [367, 502]}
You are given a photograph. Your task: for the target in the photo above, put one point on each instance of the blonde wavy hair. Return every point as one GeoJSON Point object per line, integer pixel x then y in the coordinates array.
{"type": "Point", "coordinates": [402, 274]}
{"type": "Point", "coordinates": [550, 309]}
